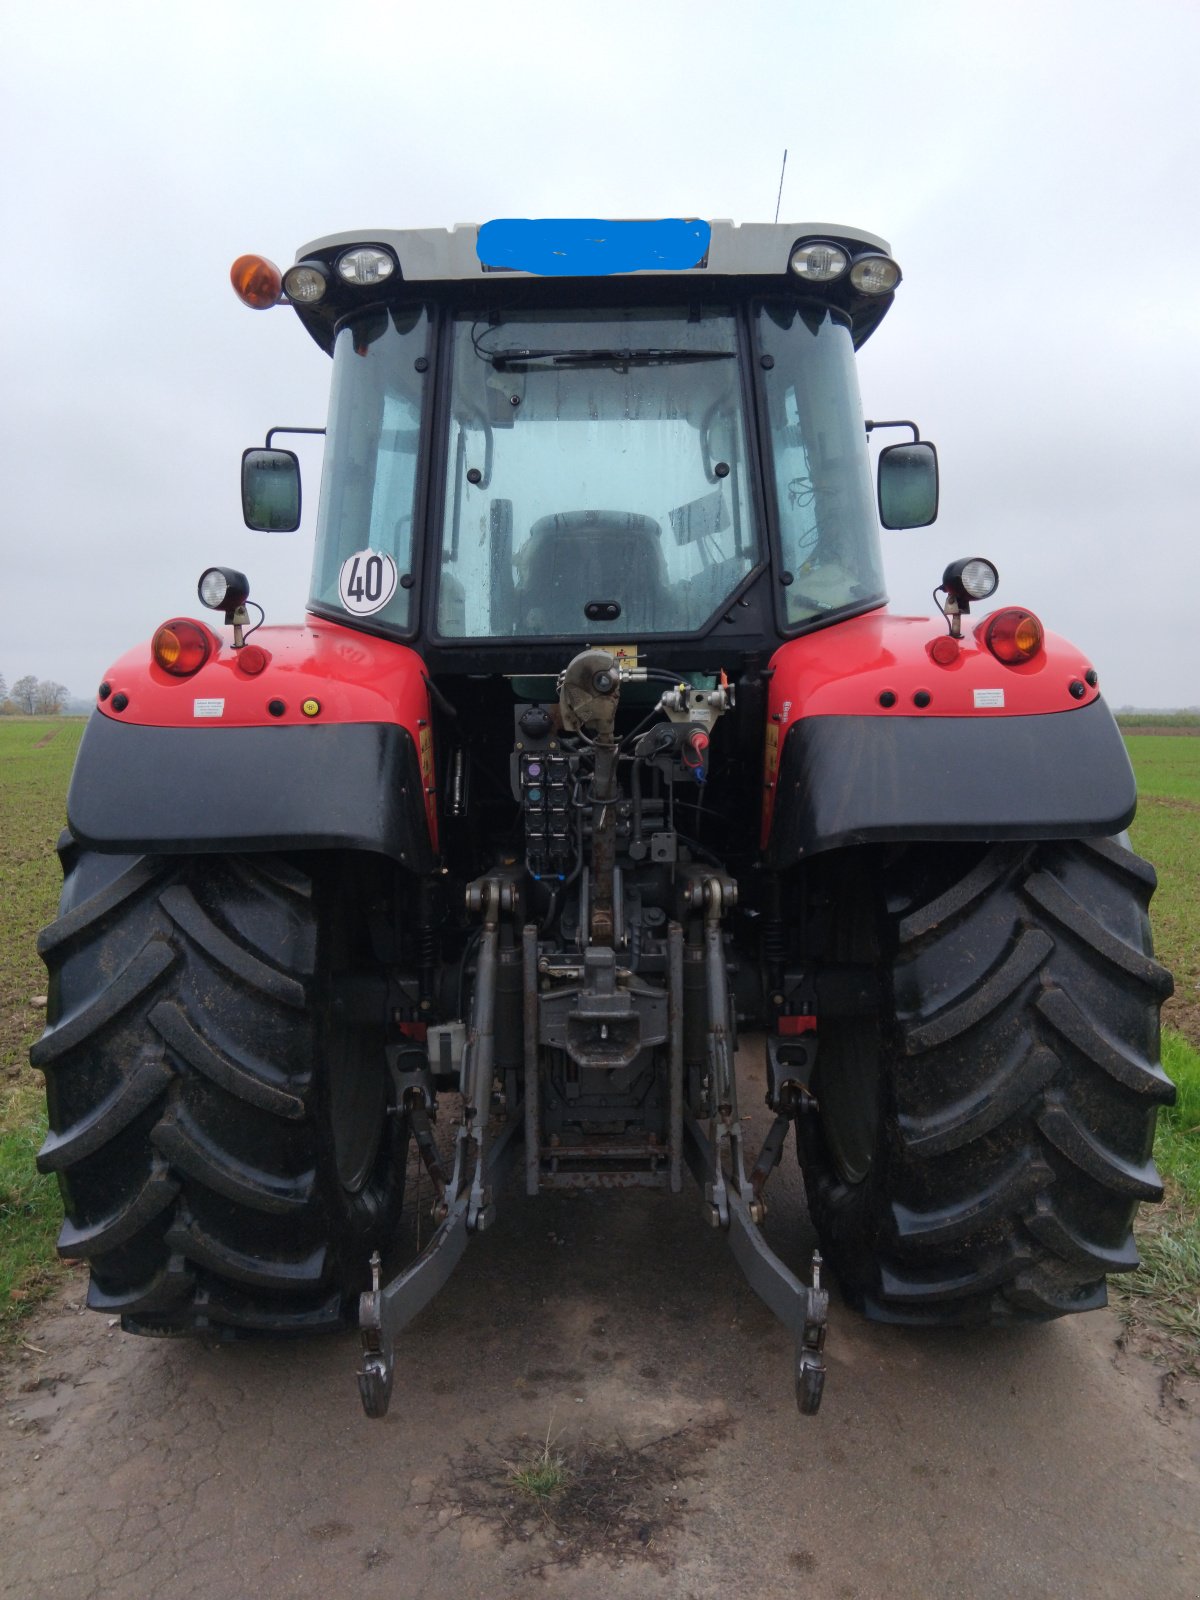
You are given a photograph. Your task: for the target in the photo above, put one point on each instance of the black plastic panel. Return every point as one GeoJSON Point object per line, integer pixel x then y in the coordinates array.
{"type": "Point", "coordinates": [858, 780]}
{"type": "Point", "coordinates": [353, 786]}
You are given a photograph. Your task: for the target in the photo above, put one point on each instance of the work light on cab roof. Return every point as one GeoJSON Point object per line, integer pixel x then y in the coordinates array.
{"type": "Point", "coordinates": [365, 266]}
{"type": "Point", "coordinates": [305, 283]}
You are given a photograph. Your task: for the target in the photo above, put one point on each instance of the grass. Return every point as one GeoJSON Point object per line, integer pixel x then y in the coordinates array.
{"type": "Point", "coordinates": [1162, 1301]}
{"type": "Point", "coordinates": [614, 1504]}
{"type": "Point", "coordinates": [544, 1473]}
{"type": "Point", "coordinates": [1167, 832]}
{"type": "Point", "coordinates": [1167, 769]}
{"type": "Point", "coordinates": [1179, 1135]}
{"type": "Point", "coordinates": [36, 754]}
{"type": "Point", "coordinates": [1163, 721]}
{"type": "Point", "coordinates": [30, 1213]}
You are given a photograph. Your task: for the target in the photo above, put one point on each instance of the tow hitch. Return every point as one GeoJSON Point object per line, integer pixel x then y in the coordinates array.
{"type": "Point", "coordinates": [628, 1045]}
{"type": "Point", "coordinates": [465, 1202]}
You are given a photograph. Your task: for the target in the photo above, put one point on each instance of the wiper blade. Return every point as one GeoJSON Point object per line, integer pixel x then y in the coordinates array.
{"type": "Point", "coordinates": [619, 359]}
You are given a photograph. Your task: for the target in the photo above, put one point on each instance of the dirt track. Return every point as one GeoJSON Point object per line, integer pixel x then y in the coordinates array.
{"type": "Point", "coordinates": [1036, 1462]}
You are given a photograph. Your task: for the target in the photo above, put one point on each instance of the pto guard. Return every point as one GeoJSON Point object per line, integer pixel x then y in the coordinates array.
{"type": "Point", "coordinates": [328, 747]}
{"type": "Point", "coordinates": [870, 740]}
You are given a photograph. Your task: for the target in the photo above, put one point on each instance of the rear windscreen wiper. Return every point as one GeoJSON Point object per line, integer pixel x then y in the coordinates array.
{"type": "Point", "coordinates": [619, 359]}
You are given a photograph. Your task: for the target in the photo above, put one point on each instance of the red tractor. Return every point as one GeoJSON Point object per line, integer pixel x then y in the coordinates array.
{"type": "Point", "coordinates": [597, 747]}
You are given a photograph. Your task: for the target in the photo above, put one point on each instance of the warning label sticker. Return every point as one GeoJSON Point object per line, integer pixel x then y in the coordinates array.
{"type": "Point", "coordinates": [988, 698]}
{"type": "Point", "coordinates": [771, 754]}
{"type": "Point", "coordinates": [625, 655]}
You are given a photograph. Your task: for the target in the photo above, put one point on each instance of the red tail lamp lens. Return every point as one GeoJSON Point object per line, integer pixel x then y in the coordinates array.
{"type": "Point", "coordinates": [256, 281]}
{"type": "Point", "coordinates": [251, 660]}
{"type": "Point", "coordinates": [181, 647]}
{"type": "Point", "coordinates": [1013, 636]}
{"type": "Point", "coordinates": [944, 650]}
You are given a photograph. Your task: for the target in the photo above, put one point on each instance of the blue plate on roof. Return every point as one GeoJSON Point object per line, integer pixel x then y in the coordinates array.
{"type": "Point", "coordinates": [585, 247]}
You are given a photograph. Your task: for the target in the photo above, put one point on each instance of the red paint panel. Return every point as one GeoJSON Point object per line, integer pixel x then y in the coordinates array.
{"type": "Point", "coordinates": [352, 676]}
{"type": "Point", "coordinates": [843, 670]}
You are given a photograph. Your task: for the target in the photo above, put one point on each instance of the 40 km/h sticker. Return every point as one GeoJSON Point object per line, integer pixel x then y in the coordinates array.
{"type": "Point", "coordinates": [367, 581]}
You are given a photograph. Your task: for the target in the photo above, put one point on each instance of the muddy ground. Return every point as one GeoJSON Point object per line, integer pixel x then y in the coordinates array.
{"type": "Point", "coordinates": [1037, 1462]}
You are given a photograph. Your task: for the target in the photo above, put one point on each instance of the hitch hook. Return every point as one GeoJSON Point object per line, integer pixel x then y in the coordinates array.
{"type": "Point", "coordinates": [810, 1346]}
{"type": "Point", "coordinates": [379, 1367]}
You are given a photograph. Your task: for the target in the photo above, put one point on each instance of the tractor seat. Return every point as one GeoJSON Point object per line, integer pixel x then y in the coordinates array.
{"type": "Point", "coordinates": [574, 557]}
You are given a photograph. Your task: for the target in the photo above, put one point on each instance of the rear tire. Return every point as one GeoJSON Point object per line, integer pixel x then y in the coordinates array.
{"type": "Point", "coordinates": [983, 1141]}
{"type": "Point", "coordinates": [219, 1122]}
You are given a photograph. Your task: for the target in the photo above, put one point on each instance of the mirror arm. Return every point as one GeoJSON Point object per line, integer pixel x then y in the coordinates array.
{"type": "Point", "coordinates": [271, 432]}
{"type": "Point", "coordinates": [871, 426]}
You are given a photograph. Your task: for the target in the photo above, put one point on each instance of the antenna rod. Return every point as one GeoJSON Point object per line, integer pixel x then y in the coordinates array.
{"type": "Point", "coordinates": [779, 196]}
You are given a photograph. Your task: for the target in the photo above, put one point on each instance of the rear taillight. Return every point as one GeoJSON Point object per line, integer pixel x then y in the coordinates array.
{"type": "Point", "coordinates": [1013, 636]}
{"type": "Point", "coordinates": [181, 647]}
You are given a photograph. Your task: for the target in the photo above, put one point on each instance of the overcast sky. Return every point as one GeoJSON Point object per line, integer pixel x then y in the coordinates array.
{"type": "Point", "coordinates": [1034, 166]}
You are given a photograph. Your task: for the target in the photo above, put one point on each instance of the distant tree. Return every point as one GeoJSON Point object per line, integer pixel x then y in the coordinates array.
{"type": "Point", "coordinates": [24, 692]}
{"type": "Point", "coordinates": [3, 689]}
{"type": "Point", "coordinates": [50, 699]}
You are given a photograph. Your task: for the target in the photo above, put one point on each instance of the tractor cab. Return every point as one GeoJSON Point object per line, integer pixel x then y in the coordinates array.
{"type": "Point", "coordinates": [675, 456]}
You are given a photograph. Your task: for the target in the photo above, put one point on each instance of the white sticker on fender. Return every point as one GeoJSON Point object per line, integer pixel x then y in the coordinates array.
{"type": "Point", "coordinates": [988, 697]}
{"type": "Point", "coordinates": [367, 581]}
{"type": "Point", "coordinates": [208, 708]}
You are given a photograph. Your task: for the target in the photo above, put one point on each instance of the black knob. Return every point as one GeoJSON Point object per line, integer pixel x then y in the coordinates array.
{"type": "Point", "coordinates": [535, 723]}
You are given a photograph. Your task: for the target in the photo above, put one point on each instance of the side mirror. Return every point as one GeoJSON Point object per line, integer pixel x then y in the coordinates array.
{"type": "Point", "coordinates": [908, 485]}
{"type": "Point", "coordinates": [271, 490]}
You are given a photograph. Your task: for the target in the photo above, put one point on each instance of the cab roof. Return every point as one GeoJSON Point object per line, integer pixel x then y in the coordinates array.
{"type": "Point", "coordinates": [747, 249]}
{"type": "Point", "coordinates": [565, 260]}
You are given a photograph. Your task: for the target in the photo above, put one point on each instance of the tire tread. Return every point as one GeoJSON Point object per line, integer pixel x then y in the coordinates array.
{"type": "Point", "coordinates": [186, 1039]}
{"type": "Point", "coordinates": [1020, 1084]}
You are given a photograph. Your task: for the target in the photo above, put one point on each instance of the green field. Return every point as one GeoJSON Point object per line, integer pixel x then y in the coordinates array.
{"type": "Point", "coordinates": [1159, 721]}
{"type": "Point", "coordinates": [1166, 1293]}
{"type": "Point", "coordinates": [1167, 832]}
{"type": "Point", "coordinates": [36, 754]}
{"type": "Point", "coordinates": [35, 764]}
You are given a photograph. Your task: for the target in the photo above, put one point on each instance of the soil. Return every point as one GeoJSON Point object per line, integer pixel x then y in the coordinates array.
{"type": "Point", "coordinates": [1182, 1012]}
{"type": "Point", "coordinates": [614, 1333]}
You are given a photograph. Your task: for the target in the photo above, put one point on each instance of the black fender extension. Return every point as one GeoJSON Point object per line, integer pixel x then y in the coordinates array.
{"type": "Point", "coordinates": [171, 791]}
{"type": "Point", "coordinates": [850, 780]}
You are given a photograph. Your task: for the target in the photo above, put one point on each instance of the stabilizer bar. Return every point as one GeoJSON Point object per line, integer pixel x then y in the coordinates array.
{"type": "Point", "coordinates": [802, 1308]}
{"type": "Point", "coordinates": [734, 1201]}
{"type": "Point", "coordinates": [384, 1311]}
{"type": "Point", "coordinates": [466, 1204]}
